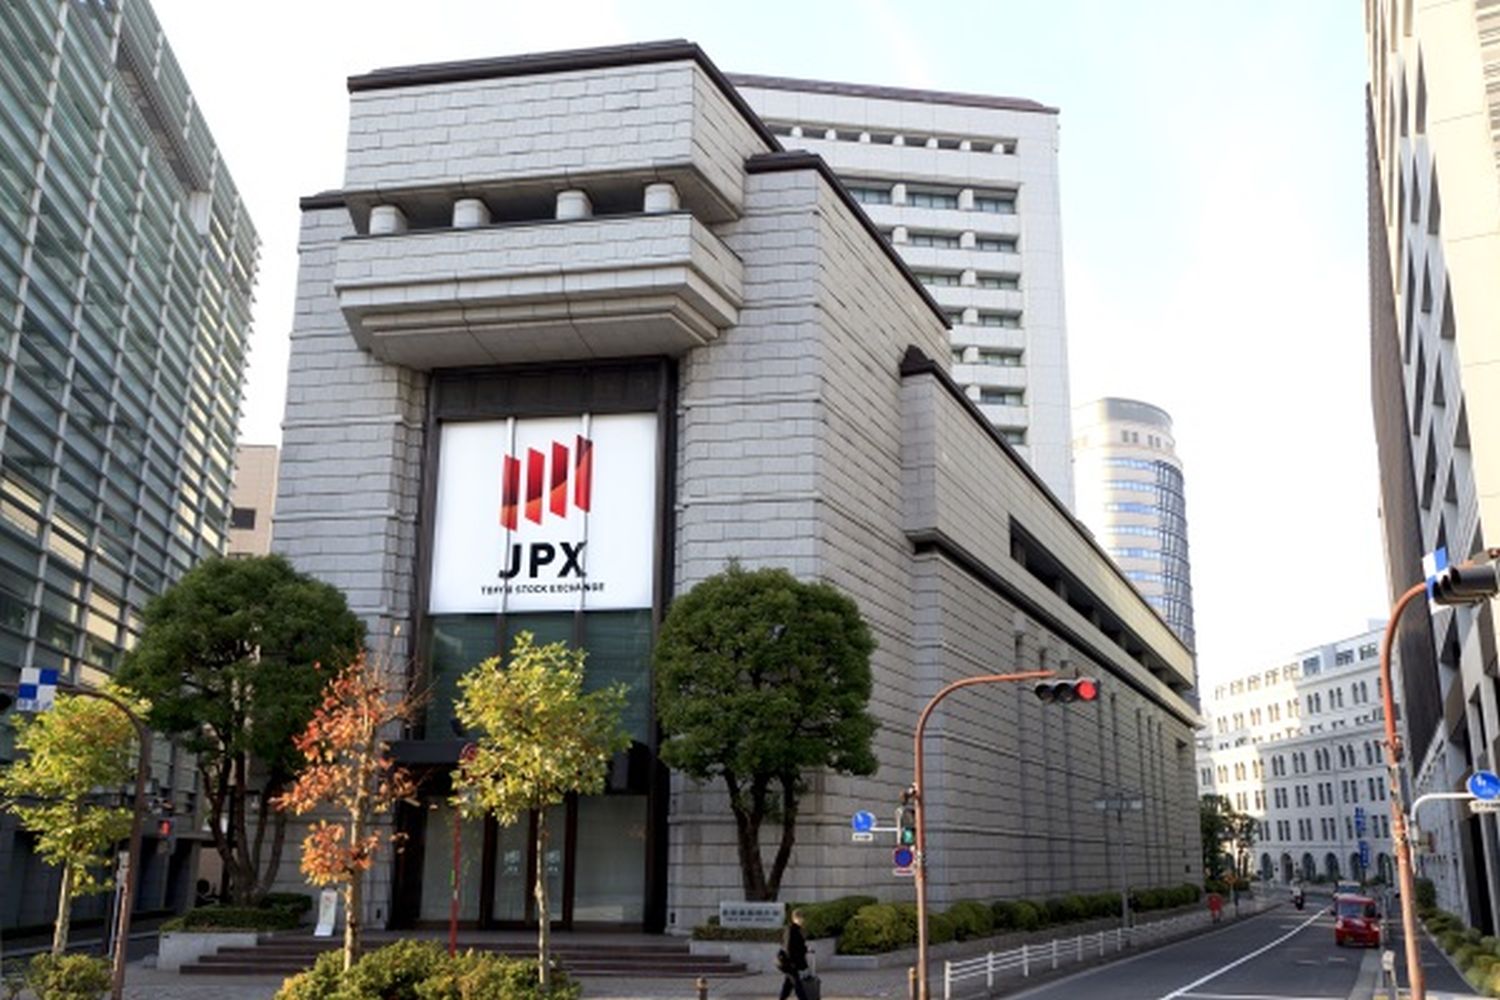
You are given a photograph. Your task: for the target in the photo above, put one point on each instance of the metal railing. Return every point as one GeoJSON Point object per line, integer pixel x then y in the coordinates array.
{"type": "Point", "coordinates": [966, 975]}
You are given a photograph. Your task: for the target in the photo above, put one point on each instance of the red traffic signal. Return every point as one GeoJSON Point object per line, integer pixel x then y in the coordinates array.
{"type": "Point", "coordinates": [1068, 690]}
{"type": "Point", "coordinates": [164, 828]}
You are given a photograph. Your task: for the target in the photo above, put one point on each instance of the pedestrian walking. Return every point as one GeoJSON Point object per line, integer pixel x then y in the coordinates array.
{"type": "Point", "coordinates": [1215, 906]}
{"type": "Point", "coordinates": [792, 958]}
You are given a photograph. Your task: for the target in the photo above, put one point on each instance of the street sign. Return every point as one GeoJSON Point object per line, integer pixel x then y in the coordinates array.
{"type": "Point", "coordinates": [1119, 804]}
{"type": "Point", "coordinates": [1434, 563]}
{"type": "Point", "coordinates": [863, 822]}
{"type": "Point", "coordinates": [1484, 785]}
{"type": "Point", "coordinates": [38, 689]}
{"type": "Point", "coordinates": [903, 858]}
{"type": "Point", "coordinates": [1359, 821]}
{"type": "Point", "coordinates": [1364, 854]}
{"type": "Point", "coordinates": [863, 838]}
{"type": "Point", "coordinates": [1484, 806]}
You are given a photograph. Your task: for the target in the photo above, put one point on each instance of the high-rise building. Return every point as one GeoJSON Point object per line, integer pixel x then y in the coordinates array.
{"type": "Point", "coordinates": [1434, 214]}
{"type": "Point", "coordinates": [252, 499]}
{"type": "Point", "coordinates": [698, 349]}
{"type": "Point", "coordinates": [965, 187]}
{"type": "Point", "coordinates": [126, 263]}
{"type": "Point", "coordinates": [1299, 747]}
{"type": "Point", "coordinates": [1130, 494]}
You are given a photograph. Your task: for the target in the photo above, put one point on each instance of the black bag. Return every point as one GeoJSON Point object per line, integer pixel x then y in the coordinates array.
{"type": "Point", "coordinates": [812, 986]}
{"type": "Point", "coordinates": [784, 961]}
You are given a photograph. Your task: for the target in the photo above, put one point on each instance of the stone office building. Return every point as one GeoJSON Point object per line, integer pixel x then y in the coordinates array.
{"type": "Point", "coordinates": [575, 332]}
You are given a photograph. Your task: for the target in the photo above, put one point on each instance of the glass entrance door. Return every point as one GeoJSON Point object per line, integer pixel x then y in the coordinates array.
{"type": "Point", "coordinates": [513, 901]}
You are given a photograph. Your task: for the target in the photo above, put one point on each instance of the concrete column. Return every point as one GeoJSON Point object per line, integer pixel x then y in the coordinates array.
{"type": "Point", "coordinates": [899, 234]}
{"type": "Point", "coordinates": [965, 146]}
{"type": "Point", "coordinates": [470, 212]}
{"type": "Point", "coordinates": [386, 219]}
{"type": "Point", "coordinates": [966, 199]}
{"type": "Point", "coordinates": [932, 143]}
{"type": "Point", "coordinates": [971, 316]}
{"type": "Point", "coordinates": [831, 134]}
{"type": "Point", "coordinates": [864, 137]}
{"type": "Point", "coordinates": [662, 198]}
{"type": "Point", "coordinates": [898, 194]}
{"type": "Point", "coordinates": [967, 241]}
{"type": "Point", "coordinates": [796, 131]}
{"type": "Point", "coordinates": [574, 204]}
{"type": "Point", "coordinates": [898, 140]}
{"type": "Point", "coordinates": [968, 279]}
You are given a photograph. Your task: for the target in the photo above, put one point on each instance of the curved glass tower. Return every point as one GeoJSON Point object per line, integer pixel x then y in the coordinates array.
{"type": "Point", "coordinates": [1128, 481]}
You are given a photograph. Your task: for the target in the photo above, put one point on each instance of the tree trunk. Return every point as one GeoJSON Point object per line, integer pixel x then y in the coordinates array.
{"type": "Point", "coordinates": [246, 876]}
{"type": "Point", "coordinates": [355, 890]}
{"type": "Point", "coordinates": [747, 839]}
{"type": "Point", "coordinates": [788, 835]}
{"type": "Point", "coordinates": [278, 841]}
{"type": "Point", "coordinates": [543, 918]}
{"type": "Point", "coordinates": [64, 911]}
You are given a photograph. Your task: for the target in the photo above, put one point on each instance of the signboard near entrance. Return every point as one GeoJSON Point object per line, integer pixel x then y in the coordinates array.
{"type": "Point", "coordinates": [547, 514]}
{"type": "Point", "coordinates": [741, 913]}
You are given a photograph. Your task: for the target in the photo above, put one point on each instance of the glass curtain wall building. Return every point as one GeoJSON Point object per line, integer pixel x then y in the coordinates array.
{"type": "Point", "coordinates": [126, 264]}
{"type": "Point", "coordinates": [1130, 494]}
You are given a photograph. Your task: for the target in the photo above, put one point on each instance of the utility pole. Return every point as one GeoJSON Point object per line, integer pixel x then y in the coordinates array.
{"type": "Point", "coordinates": [1120, 803]}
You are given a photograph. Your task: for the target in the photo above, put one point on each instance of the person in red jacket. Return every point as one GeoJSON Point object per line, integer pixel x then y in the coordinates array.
{"type": "Point", "coordinates": [1215, 906]}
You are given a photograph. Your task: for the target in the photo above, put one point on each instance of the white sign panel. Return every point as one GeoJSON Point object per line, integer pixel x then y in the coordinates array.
{"type": "Point", "coordinates": [739, 913]}
{"type": "Point", "coordinates": [549, 514]}
{"type": "Point", "coordinates": [328, 913]}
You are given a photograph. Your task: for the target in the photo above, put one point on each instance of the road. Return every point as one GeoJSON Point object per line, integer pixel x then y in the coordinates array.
{"type": "Point", "coordinates": [1283, 955]}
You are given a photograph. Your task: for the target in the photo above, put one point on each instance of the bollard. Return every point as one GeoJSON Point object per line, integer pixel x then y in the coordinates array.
{"type": "Point", "coordinates": [911, 983]}
{"type": "Point", "coordinates": [702, 985]}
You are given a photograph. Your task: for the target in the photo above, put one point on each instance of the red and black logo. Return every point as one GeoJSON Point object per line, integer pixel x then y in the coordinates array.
{"type": "Point", "coordinates": [580, 472]}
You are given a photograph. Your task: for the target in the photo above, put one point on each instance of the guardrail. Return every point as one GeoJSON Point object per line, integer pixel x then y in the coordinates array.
{"type": "Point", "coordinates": [1049, 955]}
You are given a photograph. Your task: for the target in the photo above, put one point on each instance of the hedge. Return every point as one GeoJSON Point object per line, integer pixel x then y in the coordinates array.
{"type": "Point", "coordinates": [825, 920]}
{"type": "Point", "coordinates": [422, 970]}
{"type": "Point", "coordinates": [235, 918]}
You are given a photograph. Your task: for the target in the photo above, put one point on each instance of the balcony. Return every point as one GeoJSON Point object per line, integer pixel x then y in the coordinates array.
{"type": "Point", "coordinates": [596, 287]}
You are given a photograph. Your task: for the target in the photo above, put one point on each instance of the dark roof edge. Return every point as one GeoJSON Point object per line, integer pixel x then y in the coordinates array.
{"type": "Point", "coordinates": [567, 60]}
{"type": "Point", "coordinates": [770, 163]}
{"type": "Point", "coordinates": [916, 362]}
{"type": "Point", "coordinates": [321, 200]}
{"type": "Point", "coordinates": [891, 93]}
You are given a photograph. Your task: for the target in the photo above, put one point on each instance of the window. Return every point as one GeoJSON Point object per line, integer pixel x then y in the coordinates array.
{"type": "Point", "coordinates": [995, 202]}
{"type": "Point", "coordinates": [1367, 651]}
{"type": "Point", "coordinates": [1006, 281]}
{"type": "Point", "coordinates": [1009, 320]}
{"type": "Point", "coordinates": [242, 518]}
{"type": "Point", "coordinates": [1343, 657]}
{"type": "Point", "coordinates": [927, 239]}
{"type": "Point", "coordinates": [1311, 665]}
{"type": "Point", "coordinates": [1013, 435]}
{"type": "Point", "coordinates": [945, 278]}
{"type": "Point", "coordinates": [868, 195]}
{"type": "Point", "coordinates": [932, 199]}
{"type": "Point", "coordinates": [996, 244]}
{"type": "Point", "coordinates": [1001, 397]}
{"type": "Point", "coordinates": [1000, 359]}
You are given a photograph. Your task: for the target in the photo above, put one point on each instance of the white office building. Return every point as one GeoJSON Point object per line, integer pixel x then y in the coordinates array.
{"type": "Point", "coordinates": [1299, 747]}
{"type": "Point", "coordinates": [1130, 494]}
{"type": "Point", "coordinates": [965, 187]}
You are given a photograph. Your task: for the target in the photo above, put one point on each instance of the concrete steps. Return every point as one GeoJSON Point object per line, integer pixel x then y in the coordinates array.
{"type": "Point", "coordinates": [664, 959]}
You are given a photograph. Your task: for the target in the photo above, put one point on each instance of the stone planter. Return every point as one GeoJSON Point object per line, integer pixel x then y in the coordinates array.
{"type": "Point", "coordinates": [178, 948]}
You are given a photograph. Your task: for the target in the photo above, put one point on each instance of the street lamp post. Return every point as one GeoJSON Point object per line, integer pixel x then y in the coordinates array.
{"type": "Point", "coordinates": [1120, 803]}
{"type": "Point", "coordinates": [919, 799]}
{"type": "Point", "coordinates": [133, 855]}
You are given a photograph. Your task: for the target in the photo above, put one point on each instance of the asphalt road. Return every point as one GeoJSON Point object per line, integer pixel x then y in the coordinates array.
{"type": "Point", "coordinates": [1283, 955]}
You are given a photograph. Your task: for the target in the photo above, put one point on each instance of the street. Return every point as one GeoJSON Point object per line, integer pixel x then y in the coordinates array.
{"type": "Point", "coordinates": [1284, 955]}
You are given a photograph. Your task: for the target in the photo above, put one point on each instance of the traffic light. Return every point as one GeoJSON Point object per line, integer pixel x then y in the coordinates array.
{"type": "Point", "coordinates": [1067, 690]}
{"type": "Point", "coordinates": [1465, 584]}
{"type": "Point", "coordinates": [906, 820]}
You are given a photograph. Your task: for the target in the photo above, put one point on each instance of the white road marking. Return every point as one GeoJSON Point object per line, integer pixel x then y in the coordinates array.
{"type": "Point", "coordinates": [1185, 990]}
{"type": "Point", "coordinates": [1257, 996]}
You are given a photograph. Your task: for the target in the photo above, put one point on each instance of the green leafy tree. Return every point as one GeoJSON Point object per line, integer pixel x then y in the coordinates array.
{"type": "Point", "coordinates": [537, 738]}
{"type": "Point", "coordinates": [69, 754]}
{"type": "Point", "coordinates": [761, 678]}
{"type": "Point", "coordinates": [1227, 834]}
{"type": "Point", "coordinates": [226, 660]}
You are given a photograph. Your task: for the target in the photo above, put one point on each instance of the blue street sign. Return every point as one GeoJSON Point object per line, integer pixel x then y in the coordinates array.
{"type": "Point", "coordinates": [37, 691]}
{"type": "Point", "coordinates": [863, 822]}
{"type": "Point", "coordinates": [1484, 785]}
{"type": "Point", "coordinates": [1364, 854]}
{"type": "Point", "coordinates": [903, 857]}
{"type": "Point", "coordinates": [1434, 563]}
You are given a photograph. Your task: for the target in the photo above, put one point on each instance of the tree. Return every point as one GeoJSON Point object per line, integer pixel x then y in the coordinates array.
{"type": "Point", "coordinates": [1221, 826]}
{"type": "Point", "coordinates": [71, 752]}
{"type": "Point", "coordinates": [348, 767]}
{"type": "Point", "coordinates": [761, 678]}
{"type": "Point", "coordinates": [537, 739]}
{"type": "Point", "coordinates": [226, 661]}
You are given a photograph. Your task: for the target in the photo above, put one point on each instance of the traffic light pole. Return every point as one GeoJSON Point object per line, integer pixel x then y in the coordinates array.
{"type": "Point", "coordinates": [1416, 980]}
{"type": "Point", "coordinates": [920, 799]}
{"type": "Point", "coordinates": [133, 857]}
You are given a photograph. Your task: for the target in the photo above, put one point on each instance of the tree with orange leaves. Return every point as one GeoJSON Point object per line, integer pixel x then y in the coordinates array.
{"type": "Point", "coordinates": [348, 767]}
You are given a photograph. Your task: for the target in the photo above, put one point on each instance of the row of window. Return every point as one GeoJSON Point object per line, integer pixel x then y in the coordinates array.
{"type": "Point", "coordinates": [868, 192]}
{"type": "Point", "coordinates": [1379, 827]}
{"type": "Point", "coordinates": [952, 241]}
{"type": "Point", "coordinates": [1309, 667]}
{"type": "Point", "coordinates": [992, 357]}
{"type": "Point", "coordinates": [850, 133]}
{"type": "Point", "coordinates": [953, 279]}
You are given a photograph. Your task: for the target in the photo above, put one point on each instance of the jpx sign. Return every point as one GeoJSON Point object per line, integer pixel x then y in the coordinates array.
{"type": "Point", "coordinates": [549, 514]}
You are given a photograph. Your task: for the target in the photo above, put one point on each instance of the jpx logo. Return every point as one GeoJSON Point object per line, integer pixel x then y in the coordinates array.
{"type": "Point", "coordinates": [549, 482]}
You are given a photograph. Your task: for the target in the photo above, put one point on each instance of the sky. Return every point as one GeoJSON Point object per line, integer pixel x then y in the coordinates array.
{"type": "Point", "coordinates": [1212, 172]}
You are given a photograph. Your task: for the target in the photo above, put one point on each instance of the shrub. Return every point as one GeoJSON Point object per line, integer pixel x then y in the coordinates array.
{"type": "Point", "coordinates": [392, 972]}
{"type": "Point", "coordinates": [1481, 966]}
{"type": "Point", "coordinates": [940, 928]}
{"type": "Point", "coordinates": [1426, 894]}
{"type": "Point", "coordinates": [478, 975]}
{"type": "Point", "coordinates": [1473, 935]}
{"type": "Point", "coordinates": [320, 982]}
{"type": "Point", "coordinates": [876, 928]}
{"type": "Point", "coordinates": [299, 903]}
{"type": "Point", "coordinates": [1104, 904]}
{"type": "Point", "coordinates": [68, 977]}
{"type": "Point", "coordinates": [971, 920]}
{"type": "Point", "coordinates": [1066, 909]}
{"type": "Point", "coordinates": [824, 920]}
{"type": "Point", "coordinates": [1450, 940]}
{"type": "Point", "coordinates": [1465, 955]}
{"type": "Point", "coordinates": [235, 918]}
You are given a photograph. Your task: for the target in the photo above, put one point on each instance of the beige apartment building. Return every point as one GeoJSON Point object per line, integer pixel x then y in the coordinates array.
{"type": "Point", "coordinates": [252, 500]}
